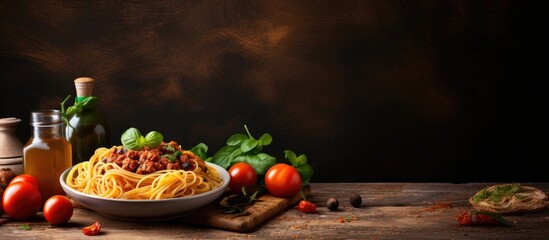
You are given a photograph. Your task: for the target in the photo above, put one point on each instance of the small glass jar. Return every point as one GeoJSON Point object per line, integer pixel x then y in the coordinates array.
{"type": "Point", "coordinates": [47, 153]}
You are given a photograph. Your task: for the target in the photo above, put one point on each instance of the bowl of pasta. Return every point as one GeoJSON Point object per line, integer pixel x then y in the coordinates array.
{"type": "Point", "coordinates": [114, 186]}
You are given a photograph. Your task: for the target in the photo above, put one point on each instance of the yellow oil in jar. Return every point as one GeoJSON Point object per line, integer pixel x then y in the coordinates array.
{"type": "Point", "coordinates": [46, 159]}
{"type": "Point", "coordinates": [47, 153]}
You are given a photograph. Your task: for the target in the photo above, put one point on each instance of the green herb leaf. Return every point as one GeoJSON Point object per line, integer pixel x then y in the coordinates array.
{"type": "Point", "coordinates": [153, 139]}
{"type": "Point", "coordinates": [300, 163]}
{"type": "Point", "coordinates": [236, 139]}
{"type": "Point", "coordinates": [222, 157]}
{"type": "Point", "coordinates": [245, 148]}
{"type": "Point", "coordinates": [64, 115]}
{"type": "Point", "coordinates": [73, 110]}
{"type": "Point", "coordinates": [200, 150]}
{"type": "Point", "coordinates": [173, 156]}
{"type": "Point", "coordinates": [260, 162]}
{"type": "Point", "coordinates": [301, 160]}
{"type": "Point", "coordinates": [88, 102]}
{"type": "Point", "coordinates": [496, 194]}
{"type": "Point", "coordinates": [132, 139]}
{"type": "Point", "coordinates": [25, 227]}
{"type": "Point", "coordinates": [248, 145]}
{"type": "Point", "coordinates": [306, 172]}
{"type": "Point", "coordinates": [291, 157]}
{"type": "Point", "coordinates": [265, 139]}
{"type": "Point", "coordinates": [169, 157]}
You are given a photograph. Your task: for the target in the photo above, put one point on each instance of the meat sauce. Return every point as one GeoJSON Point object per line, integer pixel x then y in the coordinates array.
{"type": "Point", "coordinates": [165, 157]}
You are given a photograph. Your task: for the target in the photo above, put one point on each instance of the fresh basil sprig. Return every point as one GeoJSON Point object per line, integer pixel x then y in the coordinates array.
{"type": "Point", "coordinates": [300, 163]}
{"type": "Point", "coordinates": [133, 140]}
{"type": "Point", "coordinates": [245, 148]}
{"type": "Point", "coordinates": [201, 151]}
{"type": "Point", "coordinates": [85, 103]}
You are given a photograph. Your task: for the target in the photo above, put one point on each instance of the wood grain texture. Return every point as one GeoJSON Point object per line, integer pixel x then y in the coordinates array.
{"type": "Point", "coordinates": [389, 211]}
{"type": "Point", "coordinates": [260, 213]}
{"type": "Point", "coordinates": [382, 86]}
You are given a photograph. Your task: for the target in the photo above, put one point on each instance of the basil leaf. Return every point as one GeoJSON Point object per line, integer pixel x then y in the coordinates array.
{"type": "Point", "coordinates": [301, 160]}
{"type": "Point", "coordinates": [142, 141]}
{"type": "Point", "coordinates": [237, 151]}
{"type": "Point", "coordinates": [261, 162]}
{"type": "Point", "coordinates": [222, 157]}
{"type": "Point", "coordinates": [306, 172]}
{"type": "Point", "coordinates": [153, 139]}
{"type": "Point", "coordinates": [245, 148]}
{"type": "Point", "coordinates": [265, 139]}
{"type": "Point", "coordinates": [290, 156]}
{"type": "Point", "coordinates": [236, 139]}
{"type": "Point", "coordinates": [248, 144]}
{"type": "Point", "coordinates": [73, 110]}
{"type": "Point", "coordinates": [131, 139]}
{"type": "Point", "coordinates": [200, 151]}
{"type": "Point", "coordinates": [89, 102]}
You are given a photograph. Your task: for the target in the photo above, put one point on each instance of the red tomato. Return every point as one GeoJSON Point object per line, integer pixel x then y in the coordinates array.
{"type": "Point", "coordinates": [21, 200]}
{"type": "Point", "coordinates": [58, 210]}
{"type": "Point", "coordinates": [93, 229]}
{"type": "Point", "coordinates": [283, 180]}
{"type": "Point", "coordinates": [242, 175]}
{"type": "Point", "coordinates": [26, 178]}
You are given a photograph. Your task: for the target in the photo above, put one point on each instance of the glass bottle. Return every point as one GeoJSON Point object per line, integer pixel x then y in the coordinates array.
{"type": "Point", "coordinates": [47, 153]}
{"type": "Point", "coordinates": [87, 129]}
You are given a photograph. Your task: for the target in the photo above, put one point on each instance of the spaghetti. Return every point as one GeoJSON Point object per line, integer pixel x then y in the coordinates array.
{"type": "Point", "coordinates": [144, 174]}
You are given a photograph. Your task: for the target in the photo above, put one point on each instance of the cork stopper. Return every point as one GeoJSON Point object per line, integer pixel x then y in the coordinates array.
{"type": "Point", "coordinates": [84, 86]}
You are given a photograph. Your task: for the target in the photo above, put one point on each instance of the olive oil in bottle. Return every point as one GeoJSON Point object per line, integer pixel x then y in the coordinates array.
{"type": "Point", "coordinates": [47, 153]}
{"type": "Point", "coordinates": [87, 129]}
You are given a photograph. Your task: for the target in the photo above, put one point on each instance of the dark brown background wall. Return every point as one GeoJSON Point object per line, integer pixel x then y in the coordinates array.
{"type": "Point", "coordinates": [369, 90]}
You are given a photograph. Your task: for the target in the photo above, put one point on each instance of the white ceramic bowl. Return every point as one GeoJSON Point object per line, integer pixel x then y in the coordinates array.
{"type": "Point", "coordinates": [146, 210]}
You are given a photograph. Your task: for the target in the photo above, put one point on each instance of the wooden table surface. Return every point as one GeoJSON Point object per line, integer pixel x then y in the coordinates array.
{"type": "Point", "coordinates": [389, 211]}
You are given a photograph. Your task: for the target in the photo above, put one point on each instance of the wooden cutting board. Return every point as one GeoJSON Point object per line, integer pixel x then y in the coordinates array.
{"type": "Point", "coordinates": [259, 213]}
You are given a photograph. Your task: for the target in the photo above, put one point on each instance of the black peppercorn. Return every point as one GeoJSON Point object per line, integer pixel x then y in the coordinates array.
{"type": "Point", "coordinates": [332, 204]}
{"type": "Point", "coordinates": [356, 200]}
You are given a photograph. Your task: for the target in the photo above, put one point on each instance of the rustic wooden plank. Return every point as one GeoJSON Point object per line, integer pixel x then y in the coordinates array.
{"type": "Point", "coordinates": [389, 211]}
{"type": "Point", "coordinates": [263, 210]}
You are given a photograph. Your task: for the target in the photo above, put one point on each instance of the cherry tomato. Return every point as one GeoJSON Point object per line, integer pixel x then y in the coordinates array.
{"type": "Point", "coordinates": [283, 180]}
{"type": "Point", "coordinates": [242, 175]}
{"type": "Point", "coordinates": [26, 178]}
{"type": "Point", "coordinates": [93, 229]}
{"type": "Point", "coordinates": [21, 200]}
{"type": "Point", "coordinates": [58, 210]}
